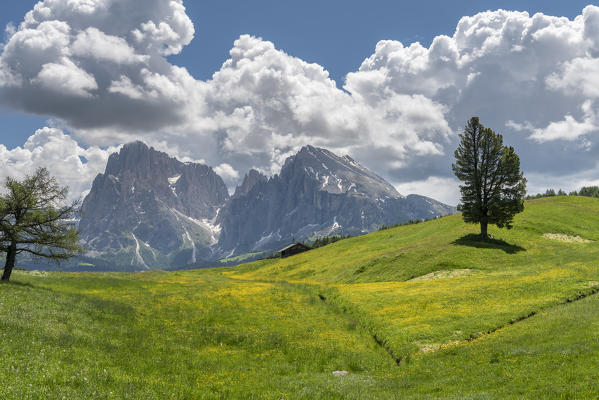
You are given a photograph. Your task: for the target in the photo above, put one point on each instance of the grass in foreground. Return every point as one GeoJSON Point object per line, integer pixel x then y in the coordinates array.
{"type": "Point", "coordinates": [177, 335]}
{"type": "Point", "coordinates": [429, 293]}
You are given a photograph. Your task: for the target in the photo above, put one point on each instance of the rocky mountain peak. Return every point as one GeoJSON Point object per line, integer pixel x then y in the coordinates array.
{"type": "Point", "coordinates": [138, 159]}
{"type": "Point", "coordinates": [251, 179]}
{"type": "Point", "coordinates": [147, 200]}
{"type": "Point", "coordinates": [316, 194]}
{"type": "Point", "coordinates": [337, 174]}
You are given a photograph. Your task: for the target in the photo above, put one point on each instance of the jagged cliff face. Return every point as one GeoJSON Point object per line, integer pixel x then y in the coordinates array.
{"type": "Point", "coordinates": [152, 209]}
{"type": "Point", "coordinates": [251, 179]}
{"type": "Point", "coordinates": [316, 194]}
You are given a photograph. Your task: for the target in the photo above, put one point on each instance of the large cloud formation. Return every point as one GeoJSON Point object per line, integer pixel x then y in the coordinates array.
{"type": "Point", "coordinates": [532, 78]}
{"type": "Point", "coordinates": [100, 68]}
{"type": "Point", "coordinates": [71, 164]}
{"type": "Point", "coordinates": [99, 63]}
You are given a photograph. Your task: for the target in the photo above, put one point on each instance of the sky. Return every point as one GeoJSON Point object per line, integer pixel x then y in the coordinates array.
{"type": "Point", "coordinates": [242, 85]}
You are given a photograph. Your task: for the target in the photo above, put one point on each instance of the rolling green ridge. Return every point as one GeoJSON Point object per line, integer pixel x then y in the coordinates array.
{"type": "Point", "coordinates": [418, 311]}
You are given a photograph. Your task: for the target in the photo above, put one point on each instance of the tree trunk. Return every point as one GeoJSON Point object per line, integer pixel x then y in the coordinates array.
{"type": "Point", "coordinates": [11, 255]}
{"type": "Point", "coordinates": [483, 229]}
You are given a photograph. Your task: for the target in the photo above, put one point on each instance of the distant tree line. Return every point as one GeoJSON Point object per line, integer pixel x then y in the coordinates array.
{"type": "Point", "coordinates": [586, 191]}
{"type": "Point", "coordinates": [325, 240]}
{"type": "Point", "coordinates": [410, 222]}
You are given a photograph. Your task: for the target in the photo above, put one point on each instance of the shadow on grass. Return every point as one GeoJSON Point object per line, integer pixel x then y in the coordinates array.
{"type": "Point", "coordinates": [473, 240]}
{"type": "Point", "coordinates": [17, 283]}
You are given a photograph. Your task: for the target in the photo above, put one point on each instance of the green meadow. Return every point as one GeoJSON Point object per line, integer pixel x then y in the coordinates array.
{"type": "Point", "coordinates": [417, 311]}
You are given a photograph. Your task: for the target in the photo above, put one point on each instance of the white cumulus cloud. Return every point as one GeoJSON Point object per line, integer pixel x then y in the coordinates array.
{"type": "Point", "coordinates": [532, 78]}
{"type": "Point", "coordinates": [99, 67]}
{"type": "Point", "coordinates": [71, 164]}
{"type": "Point", "coordinates": [95, 44]}
{"type": "Point", "coordinates": [99, 50]}
{"type": "Point", "coordinates": [228, 173]}
{"type": "Point", "coordinates": [65, 78]}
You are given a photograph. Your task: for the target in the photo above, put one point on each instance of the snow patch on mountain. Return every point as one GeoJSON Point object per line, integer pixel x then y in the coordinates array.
{"type": "Point", "coordinates": [138, 257]}
{"type": "Point", "coordinates": [172, 181]}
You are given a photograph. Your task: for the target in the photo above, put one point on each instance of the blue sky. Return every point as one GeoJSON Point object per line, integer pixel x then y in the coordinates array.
{"type": "Point", "coordinates": [338, 35]}
{"type": "Point", "coordinates": [335, 34]}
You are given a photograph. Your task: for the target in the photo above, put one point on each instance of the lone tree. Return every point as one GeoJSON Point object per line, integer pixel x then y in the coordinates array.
{"type": "Point", "coordinates": [494, 187]}
{"type": "Point", "coordinates": [36, 218]}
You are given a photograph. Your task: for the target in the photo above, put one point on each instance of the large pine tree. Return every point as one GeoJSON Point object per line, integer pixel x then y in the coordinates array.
{"type": "Point", "coordinates": [493, 186]}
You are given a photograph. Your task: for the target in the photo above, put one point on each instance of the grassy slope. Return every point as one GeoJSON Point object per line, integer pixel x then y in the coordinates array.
{"type": "Point", "coordinates": [260, 330]}
{"type": "Point", "coordinates": [520, 273]}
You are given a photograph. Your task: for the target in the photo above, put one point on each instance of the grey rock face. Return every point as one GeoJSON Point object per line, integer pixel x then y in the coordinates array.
{"type": "Point", "coordinates": [150, 210]}
{"type": "Point", "coordinates": [316, 194]}
{"type": "Point", "coordinates": [251, 179]}
{"type": "Point", "coordinates": [151, 206]}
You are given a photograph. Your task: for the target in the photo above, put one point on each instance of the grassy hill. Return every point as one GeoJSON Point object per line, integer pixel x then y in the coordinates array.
{"type": "Point", "coordinates": [419, 311]}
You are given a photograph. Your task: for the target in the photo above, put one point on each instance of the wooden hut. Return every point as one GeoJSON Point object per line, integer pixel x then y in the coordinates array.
{"type": "Point", "coordinates": [293, 249]}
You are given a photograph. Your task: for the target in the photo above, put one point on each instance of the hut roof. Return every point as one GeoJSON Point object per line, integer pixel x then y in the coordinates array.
{"type": "Point", "coordinates": [292, 246]}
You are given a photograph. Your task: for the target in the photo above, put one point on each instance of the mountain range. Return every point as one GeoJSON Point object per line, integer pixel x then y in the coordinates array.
{"type": "Point", "coordinates": [149, 210]}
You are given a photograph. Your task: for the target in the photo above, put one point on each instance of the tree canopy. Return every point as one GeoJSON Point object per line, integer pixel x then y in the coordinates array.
{"type": "Point", "coordinates": [493, 186]}
{"type": "Point", "coordinates": [36, 218]}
